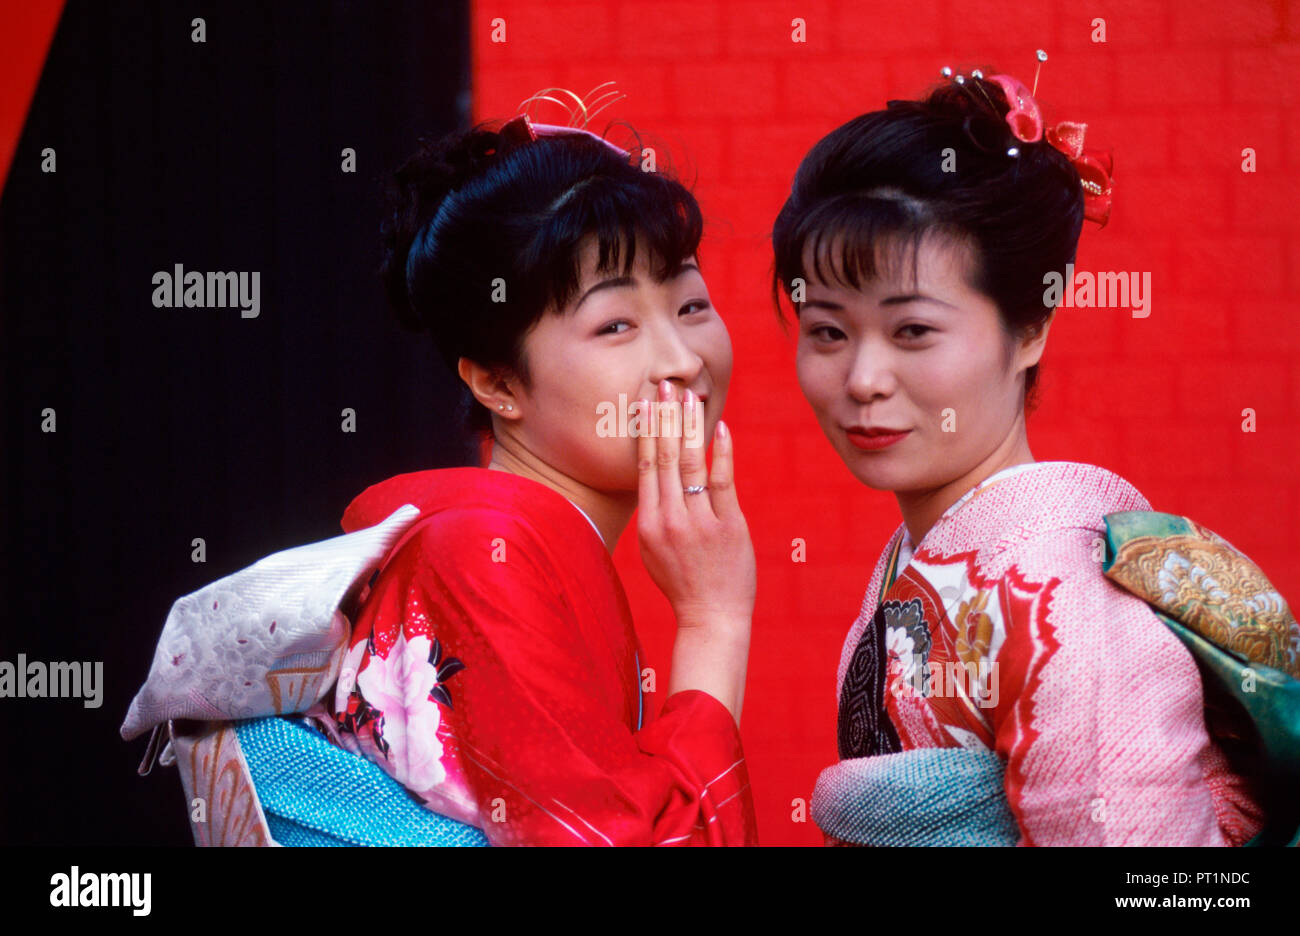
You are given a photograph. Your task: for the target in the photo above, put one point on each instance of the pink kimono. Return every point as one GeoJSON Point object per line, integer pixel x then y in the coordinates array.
{"type": "Point", "coordinates": [1000, 633]}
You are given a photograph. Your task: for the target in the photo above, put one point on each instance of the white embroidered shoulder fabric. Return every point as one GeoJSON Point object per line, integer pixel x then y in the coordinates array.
{"type": "Point", "coordinates": [267, 640]}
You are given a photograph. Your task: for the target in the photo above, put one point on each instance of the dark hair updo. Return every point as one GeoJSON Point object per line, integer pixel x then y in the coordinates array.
{"type": "Point", "coordinates": [880, 177]}
{"type": "Point", "coordinates": [476, 207]}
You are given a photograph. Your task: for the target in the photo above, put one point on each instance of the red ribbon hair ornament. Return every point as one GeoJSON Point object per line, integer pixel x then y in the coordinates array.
{"type": "Point", "coordinates": [1026, 122]}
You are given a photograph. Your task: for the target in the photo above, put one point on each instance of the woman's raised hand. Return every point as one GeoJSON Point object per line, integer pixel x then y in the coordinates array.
{"type": "Point", "coordinates": [697, 550]}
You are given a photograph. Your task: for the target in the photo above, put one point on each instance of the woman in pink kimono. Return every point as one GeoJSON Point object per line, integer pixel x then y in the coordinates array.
{"type": "Point", "coordinates": [1045, 704]}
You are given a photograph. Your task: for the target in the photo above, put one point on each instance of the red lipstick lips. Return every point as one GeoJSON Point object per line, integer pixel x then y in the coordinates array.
{"type": "Point", "coordinates": [875, 438]}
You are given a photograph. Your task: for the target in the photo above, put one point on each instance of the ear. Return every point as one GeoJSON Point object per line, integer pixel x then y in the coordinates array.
{"type": "Point", "coordinates": [1031, 347]}
{"type": "Point", "coordinates": [490, 387]}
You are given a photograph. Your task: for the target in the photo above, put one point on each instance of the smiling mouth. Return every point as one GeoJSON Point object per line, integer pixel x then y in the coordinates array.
{"type": "Point", "coordinates": [876, 438]}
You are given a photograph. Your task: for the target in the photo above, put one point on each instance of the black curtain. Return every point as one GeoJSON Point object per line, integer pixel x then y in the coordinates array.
{"type": "Point", "coordinates": [178, 423]}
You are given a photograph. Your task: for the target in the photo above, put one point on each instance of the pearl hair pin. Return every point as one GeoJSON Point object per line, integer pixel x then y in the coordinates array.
{"type": "Point", "coordinates": [960, 81]}
{"type": "Point", "coordinates": [1026, 123]}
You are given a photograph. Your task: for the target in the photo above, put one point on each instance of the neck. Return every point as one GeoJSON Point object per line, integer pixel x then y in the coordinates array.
{"type": "Point", "coordinates": [922, 509]}
{"type": "Point", "coordinates": [609, 511]}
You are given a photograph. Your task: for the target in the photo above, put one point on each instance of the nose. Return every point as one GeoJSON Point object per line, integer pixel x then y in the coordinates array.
{"type": "Point", "coordinates": [674, 360]}
{"type": "Point", "coordinates": [871, 374]}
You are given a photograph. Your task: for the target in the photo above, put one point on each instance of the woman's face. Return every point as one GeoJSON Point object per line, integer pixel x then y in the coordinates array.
{"type": "Point", "coordinates": [929, 358]}
{"type": "Point", "coordinates": [613, 344]}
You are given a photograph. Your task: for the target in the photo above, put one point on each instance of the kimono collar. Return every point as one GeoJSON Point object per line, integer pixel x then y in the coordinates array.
{"type": "Point", "coordinates": [1024, 501]}
{"type": "Point", "coordinates": [589, 520]}
{"type": "Point", "coordinates": [437, 488]}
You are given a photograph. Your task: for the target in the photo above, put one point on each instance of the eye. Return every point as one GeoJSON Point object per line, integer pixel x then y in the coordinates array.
{"type": "Point", "coordinates": [924, 329]}
{"type": "Point", "coordinates": [609, 329]}
{"type": "Point", "coordinates": [699, 302]}
{"type": "Point", "coordinates": [826, 333]}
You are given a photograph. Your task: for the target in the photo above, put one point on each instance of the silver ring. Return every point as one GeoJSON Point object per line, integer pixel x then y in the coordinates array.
{"type": "Point", "coordinates": [695, 489]}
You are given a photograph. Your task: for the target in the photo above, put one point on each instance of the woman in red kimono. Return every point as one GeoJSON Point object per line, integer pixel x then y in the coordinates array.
{"type": "Point", "coordinates": [494, 670]}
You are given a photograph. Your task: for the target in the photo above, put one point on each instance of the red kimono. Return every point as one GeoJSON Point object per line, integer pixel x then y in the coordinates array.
{"type": "Point", "coordinates": [494, 671]}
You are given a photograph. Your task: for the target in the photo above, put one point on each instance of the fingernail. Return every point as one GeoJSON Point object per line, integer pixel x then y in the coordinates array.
{"type": "Point", "coordinates": [689, 397]}
{"type": "Point", "coordinates": [722, 430]}
{"type": "Point", "coordinates": [665, 390]}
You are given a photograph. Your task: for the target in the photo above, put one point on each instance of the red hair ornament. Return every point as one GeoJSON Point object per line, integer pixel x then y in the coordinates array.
{"type": "Point", "coordinates": [1026, 122]}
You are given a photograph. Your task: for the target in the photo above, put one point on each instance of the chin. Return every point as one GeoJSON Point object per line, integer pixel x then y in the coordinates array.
{"type": "Point", "coordinates": [874, 471]}
{"type": "Point", "coordinates": [876, 481]}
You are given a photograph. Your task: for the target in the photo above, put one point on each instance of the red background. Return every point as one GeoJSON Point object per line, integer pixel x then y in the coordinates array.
{"type": "Point", "coordinates": [1176, 91]}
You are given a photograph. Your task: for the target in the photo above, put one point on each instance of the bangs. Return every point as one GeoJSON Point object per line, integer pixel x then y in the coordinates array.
{"type": "Point", "coordinates": [855, 238]}
{"type": "Point", "coordinates": [616, 212]}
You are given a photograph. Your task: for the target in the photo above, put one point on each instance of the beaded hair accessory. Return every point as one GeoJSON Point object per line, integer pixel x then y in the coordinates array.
{"type": "Point", "coordinates": [1026, 122]}
{"type": "Point", "coordinates": [521, 129]}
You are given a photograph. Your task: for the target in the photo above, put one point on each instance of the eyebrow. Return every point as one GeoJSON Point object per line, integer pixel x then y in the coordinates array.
{"type": "Point", "coordinates": [620, 281]}
{"type": "Point", "coordinates": [914, 297]}
{"type": "Point", "coordinates": [888, 301]}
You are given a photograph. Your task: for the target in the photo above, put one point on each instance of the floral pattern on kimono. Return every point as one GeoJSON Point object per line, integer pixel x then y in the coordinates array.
{"type": "Point", "coordinates": [494, 672]}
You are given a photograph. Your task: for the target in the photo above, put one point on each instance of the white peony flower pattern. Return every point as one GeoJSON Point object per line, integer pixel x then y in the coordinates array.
{"type": "Point", "coordinates": [392, 705]}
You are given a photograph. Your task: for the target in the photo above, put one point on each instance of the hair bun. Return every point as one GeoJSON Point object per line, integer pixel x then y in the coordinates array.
{"type": "Point", "coordinates": [413, 195]}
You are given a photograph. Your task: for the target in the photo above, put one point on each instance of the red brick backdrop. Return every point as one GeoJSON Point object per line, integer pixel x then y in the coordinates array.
{"type": "Point", "coordinates": [1177, 90]}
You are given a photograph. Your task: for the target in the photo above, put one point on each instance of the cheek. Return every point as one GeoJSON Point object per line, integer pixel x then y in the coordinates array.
{"type": "Point", "coordinates": [566, 392]}
{"type": "Point", "coordinates": [713, 345]}
{"type": "Point", "coordinates": [823, 377]}
{"type": "Point", "coordinates": [966, 377]}
{"type": "Point", "coordinates": [584, 393]}
{"type": "Point", "coordinates": [719, 353]}
{"type": "Point", "coordinates": [813, 376]}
